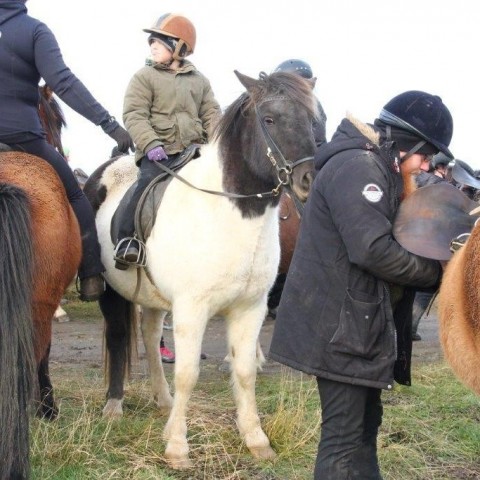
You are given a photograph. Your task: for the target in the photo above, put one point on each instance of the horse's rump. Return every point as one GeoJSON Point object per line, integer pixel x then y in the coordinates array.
{"type": "Point", "coordinates": [53, 227]}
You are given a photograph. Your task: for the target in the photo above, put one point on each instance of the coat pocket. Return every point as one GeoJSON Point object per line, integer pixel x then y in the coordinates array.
{"type": "Point", "coordinates": [360, 325]}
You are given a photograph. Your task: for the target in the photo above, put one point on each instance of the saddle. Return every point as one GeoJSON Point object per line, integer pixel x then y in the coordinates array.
{"type": "Point", "coordinates": [147, 207]}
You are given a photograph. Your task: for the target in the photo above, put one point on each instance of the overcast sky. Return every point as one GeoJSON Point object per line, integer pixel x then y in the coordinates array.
{"type": "Point", "coordinates": [362, 52]}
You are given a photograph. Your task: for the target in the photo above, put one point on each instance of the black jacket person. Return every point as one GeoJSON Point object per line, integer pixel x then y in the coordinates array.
{"type": "Point", "coordinates": [336, 318]}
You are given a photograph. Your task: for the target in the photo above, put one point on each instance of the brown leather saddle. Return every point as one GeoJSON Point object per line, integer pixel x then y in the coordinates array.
{"type": "Point", "coordinates": [151, 198]}
{"type": "Point", "coordinates": [431, 218]}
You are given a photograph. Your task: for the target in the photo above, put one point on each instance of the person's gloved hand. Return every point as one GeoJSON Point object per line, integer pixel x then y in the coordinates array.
{"type": "Point", "coordinates": [123, 139]}
{"type": "Point", "coordinates": [157, 153]}
{"type": "Point", "coordinates": [113, 129]}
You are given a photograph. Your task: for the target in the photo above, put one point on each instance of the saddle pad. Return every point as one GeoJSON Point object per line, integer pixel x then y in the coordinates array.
{"type": "Point", "coordinates": [153, 197]}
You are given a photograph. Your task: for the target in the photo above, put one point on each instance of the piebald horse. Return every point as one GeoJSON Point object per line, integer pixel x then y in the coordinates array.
{"type": "Point", "coordinates": [209, 254]}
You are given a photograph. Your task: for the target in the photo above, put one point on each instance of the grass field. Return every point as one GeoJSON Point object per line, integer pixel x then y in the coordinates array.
{"type": "Point", "coordinates": [430, 431]}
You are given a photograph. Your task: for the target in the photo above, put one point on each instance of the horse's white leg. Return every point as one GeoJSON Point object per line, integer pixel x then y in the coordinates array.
{"type": "Point", "coordinates": [189, 327]}
{"type": "Point", "coordinates": [152, 321]}
{"type": "Point", "coordinates": [243, 329]}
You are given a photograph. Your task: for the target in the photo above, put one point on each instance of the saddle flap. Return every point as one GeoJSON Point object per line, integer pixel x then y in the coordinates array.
{"type": "Point", "coordinates": [431, 217]}
{"type": "Point", "coordinates": [152, 197]}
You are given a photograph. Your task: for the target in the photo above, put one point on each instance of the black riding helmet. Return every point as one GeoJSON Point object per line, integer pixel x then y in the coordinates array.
{"type": "Point", "coordinates": [421, 114]}
{"type": "Point", "coordinates": [295, 66]}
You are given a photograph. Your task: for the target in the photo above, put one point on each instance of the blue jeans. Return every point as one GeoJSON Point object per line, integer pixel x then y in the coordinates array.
{"type": "Point", "coordinates": [351, 417]}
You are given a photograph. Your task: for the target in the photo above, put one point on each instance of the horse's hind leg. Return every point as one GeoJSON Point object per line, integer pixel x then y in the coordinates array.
{"type": "Point", "coordinates": [152, 321]}
{"type": "Point", "coordinates": [190, 321]}
{"type": "Point", "coordinates": [243, 329]}
{"type": "Point", "coordinates": [47, 408]}
{"type": "Point", "coordinates": [119, 317]}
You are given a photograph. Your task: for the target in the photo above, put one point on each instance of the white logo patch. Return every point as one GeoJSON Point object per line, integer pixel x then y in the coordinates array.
{"type": "Point", "coordinates": [372, 193]}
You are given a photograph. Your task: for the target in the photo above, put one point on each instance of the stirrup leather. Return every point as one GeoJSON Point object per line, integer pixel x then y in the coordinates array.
{"type": "Point", "coordinates": [124, 244]}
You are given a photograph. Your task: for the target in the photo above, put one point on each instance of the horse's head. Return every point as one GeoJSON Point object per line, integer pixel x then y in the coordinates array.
{"type": "Point", "coordinates": [284, 106]}
{"type": "Point", "coordinates": [272, 124]}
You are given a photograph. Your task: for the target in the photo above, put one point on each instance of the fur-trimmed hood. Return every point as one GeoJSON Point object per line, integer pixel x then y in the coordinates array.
{"type": "Point", "coordinates": [350, 134]}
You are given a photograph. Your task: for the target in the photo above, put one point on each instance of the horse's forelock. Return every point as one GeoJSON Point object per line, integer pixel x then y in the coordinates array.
{"type": "Point", "coordinates": [277, 84]}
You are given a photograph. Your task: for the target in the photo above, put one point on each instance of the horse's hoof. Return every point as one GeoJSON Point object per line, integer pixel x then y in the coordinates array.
{"type": "Point", "coordinates": [179, 463]}
{"type": "Point", "coordinates": [263, 453]}
{"type": "Point", "coordinates": [164, 405]}
{"type": "Point", "coordinates": [113, 409]}
{"type": "Point", "coordinates": [48, 412]}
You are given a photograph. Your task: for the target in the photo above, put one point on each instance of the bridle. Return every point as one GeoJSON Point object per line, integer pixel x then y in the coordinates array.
{"type": "Point", "coordinates": [284, 168]}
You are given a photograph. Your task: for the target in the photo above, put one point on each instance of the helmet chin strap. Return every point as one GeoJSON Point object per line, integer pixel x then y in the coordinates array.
{"type": "Point", "coordinates": [412, 151]}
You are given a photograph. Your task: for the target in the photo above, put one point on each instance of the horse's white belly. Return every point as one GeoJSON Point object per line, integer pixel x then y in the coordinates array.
{"type": "Point", "coordinates": [200, 247]}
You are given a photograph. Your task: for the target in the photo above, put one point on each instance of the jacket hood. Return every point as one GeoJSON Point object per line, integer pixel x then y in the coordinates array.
{"type": "Point", "coordinates": [350, 134]}
{"type": "Point", "coordinates": [10, 9]}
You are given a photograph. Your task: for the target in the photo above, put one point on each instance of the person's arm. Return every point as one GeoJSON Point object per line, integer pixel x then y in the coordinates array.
{"type": "Point", "coordinates": [209, 109]}
{"type": "Point", "coordinates": [137, 106]}
{"type": "Point", "coordinates": [52, 68]}
{"type": "Point", "coordinates": [364, 224]}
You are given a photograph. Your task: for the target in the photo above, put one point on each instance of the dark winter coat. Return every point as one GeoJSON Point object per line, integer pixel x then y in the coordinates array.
{"type": "Point", "coordinates": [28, 52]}
{"type": "Point", "coordinates": [335, 317]}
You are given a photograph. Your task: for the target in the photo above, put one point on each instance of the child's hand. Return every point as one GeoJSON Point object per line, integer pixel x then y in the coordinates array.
{"type": "Point", "coordinates": [157, 153]}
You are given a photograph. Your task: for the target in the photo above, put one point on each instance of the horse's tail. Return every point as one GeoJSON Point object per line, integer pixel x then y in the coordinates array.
{"type": "Point", "coordinates": [17, 360]}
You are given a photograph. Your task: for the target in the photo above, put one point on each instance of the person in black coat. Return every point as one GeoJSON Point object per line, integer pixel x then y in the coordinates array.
{"type": "Point", "coordinates": [343, 316]}
{"type": "Point", "coordinates": [29, 52]}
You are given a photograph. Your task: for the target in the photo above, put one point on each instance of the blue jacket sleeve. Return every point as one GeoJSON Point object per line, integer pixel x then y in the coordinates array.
{"type": "Point", "coordinates": [52, 68]}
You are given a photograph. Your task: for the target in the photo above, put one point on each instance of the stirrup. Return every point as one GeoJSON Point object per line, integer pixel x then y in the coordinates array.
{"type": "Point", "coordinates": [123, 245]}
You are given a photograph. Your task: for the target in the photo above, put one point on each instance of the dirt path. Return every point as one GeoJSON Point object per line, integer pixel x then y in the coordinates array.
{"type": "Point", "coordinates": [79, 342]}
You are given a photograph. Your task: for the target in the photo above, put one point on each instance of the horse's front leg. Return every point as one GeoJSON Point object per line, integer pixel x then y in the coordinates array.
{"type": "Point", "coordinates": [243, 327]}
{"type": "Point", "coordinates": [190, 321]}
{"type": "Point", "coordinates": [152, 321]}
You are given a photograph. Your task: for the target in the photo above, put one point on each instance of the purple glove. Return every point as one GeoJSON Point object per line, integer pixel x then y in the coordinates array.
{"type": "Point", "coordinates": [157, 153]}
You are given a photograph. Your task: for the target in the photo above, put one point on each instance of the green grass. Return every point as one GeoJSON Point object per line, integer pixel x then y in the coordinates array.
{"type": "Point", "coordinates": [430, 431]}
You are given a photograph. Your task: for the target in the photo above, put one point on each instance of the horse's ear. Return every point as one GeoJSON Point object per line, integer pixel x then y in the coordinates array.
{"type": "Point", "coordinates": [248, 82]}
{"type": "Point", "coordinates": [312, 82]}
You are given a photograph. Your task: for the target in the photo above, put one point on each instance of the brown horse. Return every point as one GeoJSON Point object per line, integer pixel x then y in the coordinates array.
{"type": "Point", "coordinates": [459, 312]}
{"type": "Point", "coordinates": [39, 255]}
{"type": "Point", "coordinates": [290, 218]}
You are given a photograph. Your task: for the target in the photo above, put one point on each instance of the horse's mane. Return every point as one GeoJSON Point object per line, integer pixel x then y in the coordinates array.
{"type": "Point", "coordinates": [52, 118]}
{"type": "Point", "coordinates": [289, 85]}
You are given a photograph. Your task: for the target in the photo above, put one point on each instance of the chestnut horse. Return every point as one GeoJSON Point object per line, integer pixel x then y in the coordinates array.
{"type": "Point", "coordinates": [40, 252]}
{"type": "Point", "coordinates": [459, 312]}
{"type": "Point", "coordinates": [210, 252]}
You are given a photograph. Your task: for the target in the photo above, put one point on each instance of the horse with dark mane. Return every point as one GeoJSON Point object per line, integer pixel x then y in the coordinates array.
{"type": "Point", "coordinates": [52, 117]}
{"type": "Point", "coordinates": [213, 250]}
{"type": "Point", "coordinates": [40, 252]}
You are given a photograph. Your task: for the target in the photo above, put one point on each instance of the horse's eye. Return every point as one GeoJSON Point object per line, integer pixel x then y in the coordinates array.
{"type": "Point", "coordinates": [268, 120]}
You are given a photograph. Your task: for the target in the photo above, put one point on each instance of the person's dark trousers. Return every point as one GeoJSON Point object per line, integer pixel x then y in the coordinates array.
{"type": "Point", "coordinates": [91, 263]}
{"type": "Point", "coordinates": [351, 417]}
{"type": "Point", "coordinates": [148, 171]}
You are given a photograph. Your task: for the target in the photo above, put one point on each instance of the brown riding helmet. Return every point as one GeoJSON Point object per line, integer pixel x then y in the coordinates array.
{"type": "Point", "coordinates": [177, 27]}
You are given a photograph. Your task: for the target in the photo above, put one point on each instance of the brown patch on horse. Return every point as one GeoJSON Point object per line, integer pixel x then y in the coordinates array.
{"type": "Point", "coordinates": [459, 310]}
{"type": "Point", "coordinates": [55, 237]}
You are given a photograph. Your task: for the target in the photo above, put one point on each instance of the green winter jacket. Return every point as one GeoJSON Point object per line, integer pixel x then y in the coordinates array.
{"type": "Point", "coordinates": [169, 108]}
